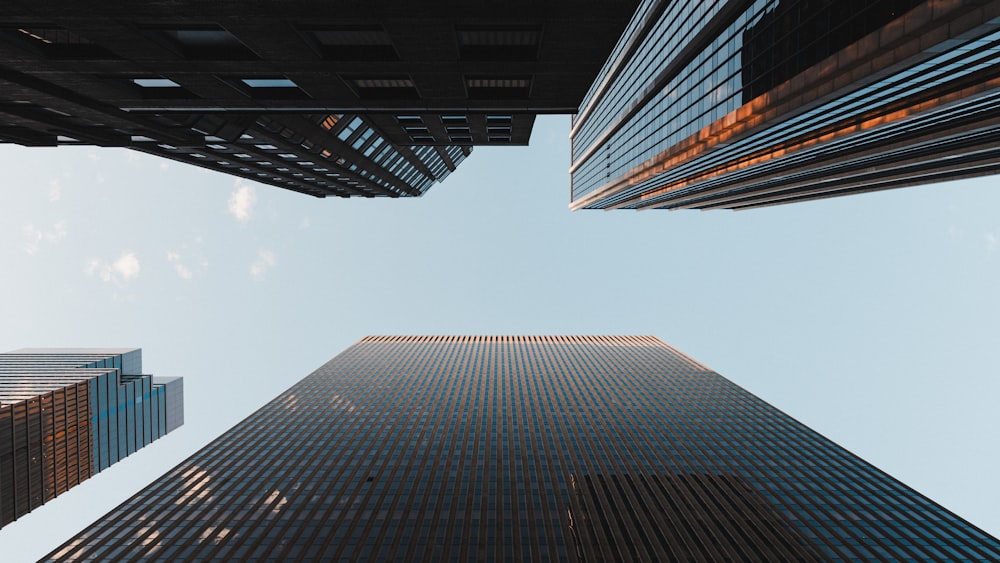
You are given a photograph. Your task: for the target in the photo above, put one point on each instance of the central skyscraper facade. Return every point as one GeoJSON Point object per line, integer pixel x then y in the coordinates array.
{"type": "Point", "coordinates": [524, 448]}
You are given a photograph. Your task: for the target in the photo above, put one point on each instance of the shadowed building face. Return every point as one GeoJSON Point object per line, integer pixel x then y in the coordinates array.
{"type": "Point", "coordinates": [360, 99]}
{"type": "Point", "coordinates": [524, 448]}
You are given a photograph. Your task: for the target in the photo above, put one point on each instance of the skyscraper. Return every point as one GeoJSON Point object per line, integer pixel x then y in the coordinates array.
{"type": "Point", "coordinates": [375, 98]}
{"type": "Point", "coordinates": [735, 105]}
{"type": "Point", "coordinates": [67, 414]}
{"type": "Point", "coordinates": [524, 448]}
{"type": "Point", "coordinates": [706, 105]}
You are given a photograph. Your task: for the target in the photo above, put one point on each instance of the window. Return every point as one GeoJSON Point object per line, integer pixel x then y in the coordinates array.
{"type": "Point", "coordinates": [204, 42]}
{"type": "Point", "coordinates": [158, 87]}
{"type": "Point", "coordinates": [269, 83]}
{"type": "Point", "coordinates": [155, 83]}
{"type": "Point", "coordinates": [55, 42]}
{"type": "Point", "coordinates": [361, 139]}
{"type": "Point", "coordinates": [352, 43]}
{"type": "Point", "coordinates": [493, 44]}
{"type": "Point", "coordinates": [270, 88]}
{"type": "Point", "coordinates": [384, 87]}
{"type": "Point", "coordinates": [498, 87]}
{"type": "Point", "coordinates": [331, 120]}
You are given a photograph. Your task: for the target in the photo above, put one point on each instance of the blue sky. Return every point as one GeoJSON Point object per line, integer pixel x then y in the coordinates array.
{"type": "Point", "coordinates": [873, 319]}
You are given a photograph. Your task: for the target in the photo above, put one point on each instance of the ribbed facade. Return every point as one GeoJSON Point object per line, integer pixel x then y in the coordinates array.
{"type": "Point", "coordinates": [739, 104]}
{"type": "Point", "coordinates": [327, 154]}
{"type": "Point", "coordinates": [67, 414]}
{"type": "Point", "coordinates": [493, 448]}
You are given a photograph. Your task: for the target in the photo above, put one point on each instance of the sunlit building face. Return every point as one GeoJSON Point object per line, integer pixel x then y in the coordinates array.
{"type": "Point", "coordinates": [736, 105]}
{"type": "Point", "coordinates": [527, 448]}
{"type": "Point", "coordinates": [68, 414]}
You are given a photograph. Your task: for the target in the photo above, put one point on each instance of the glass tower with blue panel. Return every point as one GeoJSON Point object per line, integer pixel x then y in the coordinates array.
{"type": "Point", "coordinates": [67, 414]}
{"type": "Point", "coordinates": [727, 104]}
{"type": "Point", "coordinates": [524, 448]}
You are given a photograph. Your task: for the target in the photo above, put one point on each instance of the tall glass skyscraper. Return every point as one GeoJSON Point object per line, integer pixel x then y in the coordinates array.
{"type": "Point", "coordinates": [492, 448]}
{"type": "Point", "coordinates": [67, 414]}
{"type": "Point", "coordinates": [738, 104]}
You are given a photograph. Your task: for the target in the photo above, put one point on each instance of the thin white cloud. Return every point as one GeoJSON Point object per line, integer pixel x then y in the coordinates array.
{"type": "Point", "coordinates": [305, 223]}
{"type": "Point", "coordinates": [57, 233]}
{"type": "Point", "coordinates": [55, 190]}
{"type": "Point", "coordinates": [123, 270]}
{"type": "Point", "coordinates": [126, 266]}
{"type": "Point", "coordinates": [992, 240]}
{"type": "Point", "coordinates": [183, 271]}
{"type": "Point", "coordinates": [35, 236]}
{"type": "Point", "coordinates": [91, 266]}
{"type": "Point", "coordinates": [264, 262]}
{"type": "Point", "coordinates": [242, 201]}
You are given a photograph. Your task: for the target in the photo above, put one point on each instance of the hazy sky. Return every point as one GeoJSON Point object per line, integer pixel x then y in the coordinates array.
{"type": "Point", "coordinates": [874, 319]}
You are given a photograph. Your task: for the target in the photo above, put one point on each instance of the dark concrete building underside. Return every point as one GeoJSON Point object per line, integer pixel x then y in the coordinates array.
{"type": "Point", "coordinates": [266, 90]}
